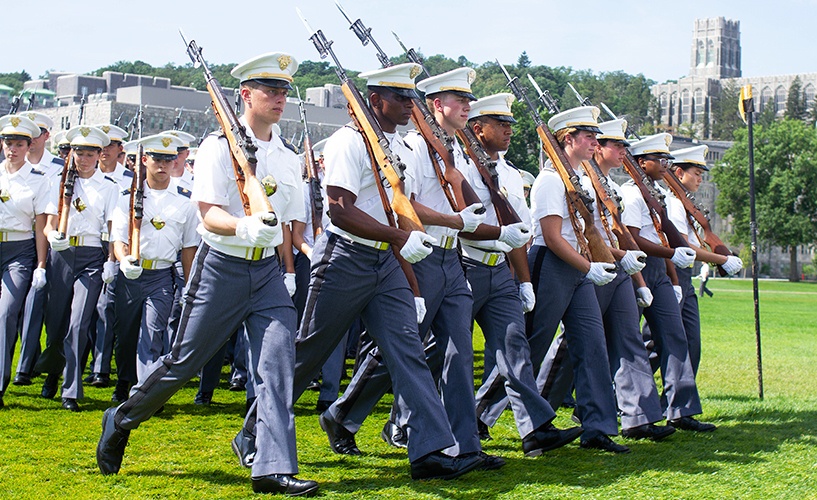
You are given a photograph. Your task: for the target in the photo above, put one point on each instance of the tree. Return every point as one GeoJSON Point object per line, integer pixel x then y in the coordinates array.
{"type": "Point", "coordinates": [725, 116]}
{"type": "Point", "coordinates": [524, 60]}
{"type": "Point", "coordinates": [15, 80]}
{"type": "Point", "coordinates": [785, 183]}
{"type": "Point", "coordinates": [795, 104]}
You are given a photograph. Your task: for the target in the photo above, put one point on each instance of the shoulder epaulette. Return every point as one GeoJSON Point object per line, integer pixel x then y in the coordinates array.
{"type": "Point", "coordinates": [125, 192]}
{"type": "Point", "coordinates": [407, 146]}
{"type": "Point", "coordinates": [183, 191]}
{"type": "Point", "coordinates": [128, 173]}
{"type": "Point", "coordinates": [58, 161]}
{"type": "Point", "coordinates": [36, 172]}
{"type": "Point", "coordinates": [289, 145]}
{"type": "Point", "coordinates": [105, 176]}
{"type": "Point", "coordinates": [511, 164]}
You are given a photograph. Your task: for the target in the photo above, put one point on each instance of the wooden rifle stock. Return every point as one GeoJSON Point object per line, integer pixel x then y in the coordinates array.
{"type": "Point", "coordinates": [609, 199]}
{"type": "Point", "coordinates": [67, 180]}
{"type": "Point", "coordinates": [311, 165]}
{"type": "Point", "coordinates": [137, 206]}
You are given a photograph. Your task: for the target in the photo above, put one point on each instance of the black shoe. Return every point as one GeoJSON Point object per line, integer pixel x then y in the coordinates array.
{"type": "Point", "coordinates": [393, 435]}
{"type": "Point", "coordinates": [341, 440]}
{"type": "Point", "coordinates": [121, 391]}
{"type": "Point", "coordinates": [238, 385]}
{"type": "Point", "coordinates": [315, 385]}
{"type": "Point", "coordinates": [439, 466]}
{"type": "Point", "coordinates": [575, 416]}
{"type": "Point", "coordinates": [690, 424]}
{"type": "Point", "coordinates": [101, 380]}
{"type": "Point", "coordinates": [22, 379]}
{"type": "Point", "coordinates": [112, 442]}
{"type": "Point", "coordinates": [70, 404]}
{"type": "Point", "coordinates": [243, 446]}
{"type": "Point", "coordinates": [204, 398]}
{"type": "Point", "coordinates": [547, 438]}
{"type": "Point", "coordinates": [284, 483]}
{"type": "Point", "coordinates": [648, 431]}
{"type": "Point", "coordinates": [50, 386]}
{"type": "Point", "coordinates": [322, 405]}
{"type": "Point", "coordinates": [604, 443]}
{"type": "Point", "coordinates": [490, 462]}
{"type": "Point", "coordinates": [482, 430]}
{"type": "Point", "coordinates": [89, 378]}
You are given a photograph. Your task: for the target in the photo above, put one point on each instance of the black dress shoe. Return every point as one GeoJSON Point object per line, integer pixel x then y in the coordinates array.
{"type": "Point", "coordinates": [204, 398]}
{"type": "Point", "coordinates": [393, 435]}
{"type": "Point", "coordinates": [340, 439]}
{"type": "Point", "coordinates": [284, 483]}
{"type": "Point", "coordinates": [690, 424]}
{"type": "Point", "coordinates": [89, 378]}
{"type": "Point", "coordinates": [22, 379]}
{"type": "Point", "coordinates": [112, 442]}
{"type": "Point", "coordinates": [238, 385]}
{"type": "Point", "coordinates": [243, 445]}
{"type": "Point", "coordinates": [50, 386]}
{"type": "Point", "coordinates": [490, 462]}
{"type": "Point", "coordinates": [482, 430]}
{"type": "Point", "coordinates": [439, 466]}
{"type": "Point", "coordinates": [121, 391]}
{"type": "Point", "coordinates": [101, 380]}
{"type": "Point", "coordinates": [70, 404]}
{"type": "Point", "coordinates": [547, 438]}
{"type": "Point", "coordinates": [604, 443]}
{"type": "Point", "coordinates": [315, 385]}
{"type": "Point", "coordinates": [648, 431]}
{"type": "Point", "coordinates": [322, 405]}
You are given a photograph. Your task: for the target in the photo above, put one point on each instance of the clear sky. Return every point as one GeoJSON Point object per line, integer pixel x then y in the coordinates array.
{"type": "Point", "coordinates": [649, 37]}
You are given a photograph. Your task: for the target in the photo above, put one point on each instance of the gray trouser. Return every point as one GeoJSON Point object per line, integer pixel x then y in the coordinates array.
{"type": "Point", "coordinates": [680, 397]}
{"type": "Point", "coordinates": [17, 262]}
{"type": "Point", "coordinates": [636, 393]}
{"type": "Point", "coordinates": [104, 339]}
{"type": "Point", "coordinates": [31, 329]}
{"type": "Point", "coordinates": [350, 280]}
{"type": "Point", "coordinates": [222, 293]}
{"type": "Point", "coordinates": [140, 325]}
{"type": "Point", "coordinates": [498, 311]}
{"type": "Point", "coordinates": [448, 301]}
{"type": "Point", "coordinates": [75, 280]}
{"type": "Point", "coordinates": [691, 317]}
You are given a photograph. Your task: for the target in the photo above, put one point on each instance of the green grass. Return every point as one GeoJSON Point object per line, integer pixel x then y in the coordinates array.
{"type": "Point", "coordinates": [762, 449]}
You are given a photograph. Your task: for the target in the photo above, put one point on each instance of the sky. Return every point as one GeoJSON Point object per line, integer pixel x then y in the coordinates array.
{"type": "Point", "coordinates": [648, 37]}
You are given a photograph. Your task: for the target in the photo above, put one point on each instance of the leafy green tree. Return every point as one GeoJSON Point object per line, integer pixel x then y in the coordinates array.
{"type": "Point", "coordinates": [14, 80]}
{"type": "Point", "coordinates": [795, 104]}
{"type": "Point", "coordinates": [725, 116]}
{"type": "Point", "coordinates": [785, 183]}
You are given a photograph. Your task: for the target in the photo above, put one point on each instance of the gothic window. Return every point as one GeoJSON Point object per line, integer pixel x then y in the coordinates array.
{"type": "Point", "coordinates": [698, 105]}
{"type": "Point", "coordinates": [765, 97]}
{"type": "Point", "coordinates": [780, 99]}
{"type": "Point", "coordinates": [710, 52]}
{"type": "Point", "coordinates": [699, 54]}
{"type": "Point", "coordinates": [685, 102]}
{"type": "Point", "coordinates": [808, 95]}
{"type": "Point", "coordinates": [662, 103]}
{"type": "Point", "coordinates": [673, 107]}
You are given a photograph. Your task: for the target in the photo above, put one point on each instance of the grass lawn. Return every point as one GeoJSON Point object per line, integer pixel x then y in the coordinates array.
{"type": "Point", "coordinates": [762, 449]}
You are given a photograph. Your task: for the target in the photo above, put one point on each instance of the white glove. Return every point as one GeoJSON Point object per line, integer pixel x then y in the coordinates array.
{"type": "Point", "coordinates": [679, 293]}
{"type": "Point", "coordinates": [632, 261]}
{"type": "Point", "coordinates": [601, 273]}
{"type": "Point", "coordinates": [57, 244]}
{"type": "Point", "coordinates": [415, 249]}
{"type": "Point", "coordinates": [515, 235]}
{"type": "Point", "coordinates": [683, 257]}
{"type": "Point", "coordinates": [733, 265]}
{"type": "Point", "coordinates": [527, 296]}
{"type": "Point", "coordinates": [502, 247]}
{"type": "Point", "coordinates": [289, 281]}
{"type": "Point", "coordinates": [470, 219]}
{"type": "Point", "coordinates": [108, 271]}
{"type": "Point", "coordinates": [129, 269]}
{"type": "Point", "coordinates": [643, 297]}
{"type": "Point", "coordinates": [420, 306]}
{"type": "Point", "coordinates": [38, 278]}
{"type": "Point", "coordinates": [251, 229]}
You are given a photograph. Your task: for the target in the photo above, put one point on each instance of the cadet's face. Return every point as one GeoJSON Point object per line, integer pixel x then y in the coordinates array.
{"type": "Point", "coordinates": [158, 170]}
{"type": "Point", "coordinates": [396, 108]}
{"type": "Point", "coordinates": [581, 145]}
{"type": "Point", "coordinates": [38, 142]}
{"type": "Point", "coordinates": [691, 178]}
{"type": "Point", "coordinates": [268, 102]}
{"type": "Point", "coordinates": [85, 161]}
{"type": "Point", "coordinates": [611, 155]}
{"type": "Point", "coordinates": [110, 153]}
{"type": "Point", "coordinates": [654, 166]}
{"type": "Point", "coordinates": [15, 149]}
{"type": "Point", "coordinates": [495, 134]}
{"type": "Point", "coordinates": [454, 108]}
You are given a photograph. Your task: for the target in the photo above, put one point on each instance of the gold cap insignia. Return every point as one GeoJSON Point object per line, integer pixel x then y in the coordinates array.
{"type": "Point", "coordinates": [84, 131]}
{"type": "Point", "coordinates": [4, 195]}
{"type": "Point", "coordinates": [509, 101]}
{"type": "Point", "coordinates": [415, 70]}
{"type": "Point", "coordinates": [283, 62]}
{"type": "Point", "coordinates": [79, 205]}
{"type": "Point", "coordinates": [157, 222]}
{"type": "Point", "coordinates": [105, 128]}
{"type": "Point", "coordinates": [166, 141]}
{"type": "Point", "coordinates": [668, 139]}
{"type": "Point", "coordinates": [472, 75]}
{"type": "Point", "coordinates": [30, 116]}
{"type": "Point", "coordinates": [270, 186]}
{"type": "Point", "coordinates": [14, 121]}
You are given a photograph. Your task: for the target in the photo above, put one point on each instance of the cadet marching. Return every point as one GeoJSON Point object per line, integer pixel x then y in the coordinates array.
{"type": "Point", "coordinates": [164, 265]}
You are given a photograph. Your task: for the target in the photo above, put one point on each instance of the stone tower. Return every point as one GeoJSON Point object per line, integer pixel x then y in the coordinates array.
{"type": "Point", "coordinates": [715, 48]}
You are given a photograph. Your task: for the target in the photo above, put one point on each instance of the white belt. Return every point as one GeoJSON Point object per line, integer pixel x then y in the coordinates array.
{"type": "Point", "coordinates": [246, 253]}
{"type": "Point", "coordinates": [84, 241]}
{"type": "Point", "coordinates": [155, 264]}
{"type": "Point", "coordinates": [488, 258]}
{"type": "Point", "coordinates": [15, 235]}
{"type": "Point", "coordinates": [446, 242]}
